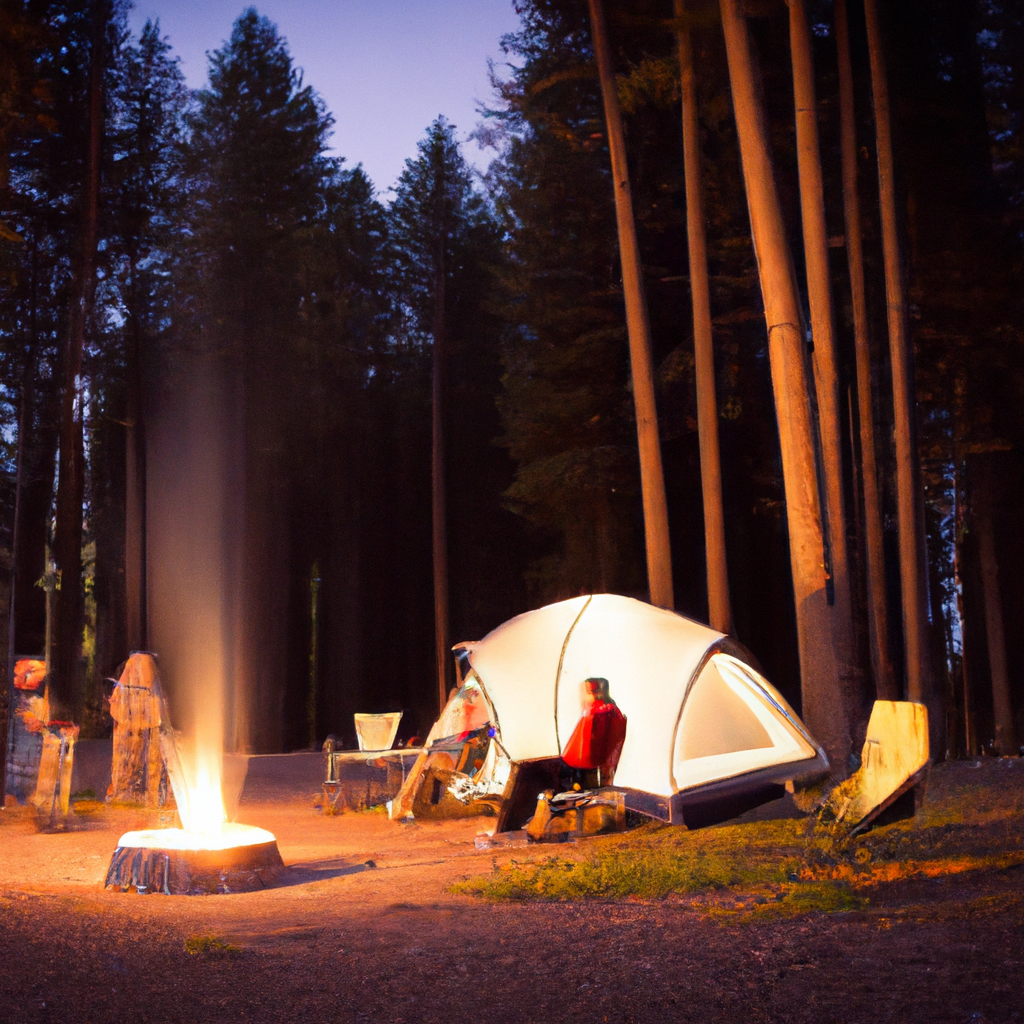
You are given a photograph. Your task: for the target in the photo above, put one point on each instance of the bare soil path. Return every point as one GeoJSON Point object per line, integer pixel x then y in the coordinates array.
{"type": "Point", "coordinates": [364, 928]}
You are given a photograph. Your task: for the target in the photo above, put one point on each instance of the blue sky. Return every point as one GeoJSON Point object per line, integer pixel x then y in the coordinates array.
{"type": "Point", "coordinates": [385, 68]}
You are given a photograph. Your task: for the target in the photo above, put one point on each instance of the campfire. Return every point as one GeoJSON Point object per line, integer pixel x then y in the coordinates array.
{"type": "Point", "coordinates": [175, 861]}
{"type": "Point", "coordinates": [208, 854]}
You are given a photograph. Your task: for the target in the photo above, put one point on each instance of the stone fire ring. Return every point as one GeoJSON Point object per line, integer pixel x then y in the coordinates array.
{"type": "Point", "coordinates": [240, 858]}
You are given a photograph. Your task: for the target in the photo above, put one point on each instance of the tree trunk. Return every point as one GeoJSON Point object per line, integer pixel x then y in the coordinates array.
{"type": "Point", "coordinates": [878, 604]}
{"type": "Point", "coordinates": [442, 643]}
{"type": "Point", "coordinates": [652, 477]}
{"type": "Point", "coordinates": [67, 547]}
{"type": "Point", "coordinates": [135, 482]}
{"type": "Point", "coordinates": [24, 418]}
{"type": "Point", "coordinates": [34, 512]}
{"type": "Point", "coordinates": [969, 738]}
{"type": "Point", "coordinates": [313, 696]}
{"type": "Point", "coordinates": [238, 711]}
{"type": "Point", "coordinates": [1002, 705]}
{"type": "Point", "coordinates": [825, 361]}
{"type": "Point", "coordinates": [909, 497]}
{"type": "Point", "coordinates": [38, 432]}
{"type": "Point", "coordinates": [820, 687]}
{"type": "Point", "coordinates": [719, 609]}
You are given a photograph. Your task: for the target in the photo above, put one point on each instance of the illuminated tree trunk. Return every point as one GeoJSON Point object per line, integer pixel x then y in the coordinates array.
{"type": "Point", "coordinates": [878, 604]}
{"type": "Point", "coordinates": [719, 610]}
{"type": "Point", "coordinates": [824, 359]}
{"type": "Point", "coordinates": [823, 702]}
{"type": "Point", "coordinates": [652, 478]}
{"type": "Point", "coordinates": [67, 540]}
{"type": "Point", "coordinates": [909, 497]}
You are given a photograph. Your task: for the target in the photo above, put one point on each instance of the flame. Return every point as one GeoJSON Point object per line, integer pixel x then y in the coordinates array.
{"type": "Point", "coordinates": [206, 801]}
{"type": "Point", "coordinates": [230, 836]}
{"type": "Point", "coordinates": [196, 780]}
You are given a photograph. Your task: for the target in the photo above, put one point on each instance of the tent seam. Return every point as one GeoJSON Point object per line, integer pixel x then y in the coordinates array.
{"type": "Point", "coordinates": [561, 660]}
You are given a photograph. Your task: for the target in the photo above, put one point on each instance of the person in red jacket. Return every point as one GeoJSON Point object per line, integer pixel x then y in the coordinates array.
{"type": "Point", "coordinates": [596, 742]}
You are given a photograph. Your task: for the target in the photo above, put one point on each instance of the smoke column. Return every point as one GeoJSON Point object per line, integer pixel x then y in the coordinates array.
{"type": "Point", "coordinates": [189, 522]}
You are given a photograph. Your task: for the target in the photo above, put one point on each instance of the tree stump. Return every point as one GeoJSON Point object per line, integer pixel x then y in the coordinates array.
{"type": "Point", "coordinates": [175, 862]}
{"type": "Point", "coordinates": [137, 773]}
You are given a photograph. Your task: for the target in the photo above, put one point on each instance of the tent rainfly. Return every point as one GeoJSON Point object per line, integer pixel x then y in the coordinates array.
{"type": "Point", "coordinates": [704, 726]}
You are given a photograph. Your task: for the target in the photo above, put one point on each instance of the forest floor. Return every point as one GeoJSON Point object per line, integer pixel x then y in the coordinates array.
{"type": "Point", "coordinates": [921, 920]}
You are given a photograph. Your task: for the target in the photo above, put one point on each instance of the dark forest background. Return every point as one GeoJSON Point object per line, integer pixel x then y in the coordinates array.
{"type": "Point", "coordinates": [218, 223]}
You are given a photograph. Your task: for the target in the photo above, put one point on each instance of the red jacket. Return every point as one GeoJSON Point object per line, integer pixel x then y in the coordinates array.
{"type": "Point", "coordinates": [597, 740]}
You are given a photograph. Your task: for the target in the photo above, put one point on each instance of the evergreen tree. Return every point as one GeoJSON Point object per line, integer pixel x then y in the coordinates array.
{"type": "Point", "coordinates": [258, 178]}
{"type": "Point", "coordinates": [565, 408]}
{"type": "Point", "coordinates": [146, 201]}
{"type": "Point", "coordinates": [434, 205]}
{"type": "Point", "coordinates": [445, 250]}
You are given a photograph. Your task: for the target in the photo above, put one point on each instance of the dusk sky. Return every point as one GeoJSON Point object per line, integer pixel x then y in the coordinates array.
{"type": "Point", "coordinates": [385, 68]}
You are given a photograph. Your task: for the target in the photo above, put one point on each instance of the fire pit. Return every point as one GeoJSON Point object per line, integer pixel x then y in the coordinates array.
{"type": "Point", "coordinates": [237, 858]}
{"type": "Point", "coordinates": [208, 855]}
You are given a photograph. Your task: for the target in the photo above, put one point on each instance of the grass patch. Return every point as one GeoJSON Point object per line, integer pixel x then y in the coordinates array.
{"type": "Point", "coordinates": [84, 807]}
{"type": "Point", "coordinates": [813, 897]}
{"type": "Point", "coordinates": [972, 822]}
{"type": "Point", "coordinates": [657, 873]}
{"type": "Point", "coordinates": [650, 863]}
{"type": "Point", "coordinates": [197, 945]}
{"type": "Point", "coordinates": [612, 876]}
{"type": "Point", "coordinates": [758, 869]}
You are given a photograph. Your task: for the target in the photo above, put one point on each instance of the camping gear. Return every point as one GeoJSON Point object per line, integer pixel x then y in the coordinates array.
{"type": "Point", "coordinates": [706, 733]}
{"type": "Point", "coordinates": [562, 816]}
{"type": "Point", "coordinates": [357, 780]}
{"type": "Point", "coordinates": [893, 764]}
{"type": "Point", "coordinates": [377, 732]}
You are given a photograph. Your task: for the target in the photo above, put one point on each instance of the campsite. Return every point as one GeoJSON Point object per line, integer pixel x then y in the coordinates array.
{"type": "Point", "coordinates": [929, 927]}
{"type": "Point", "coordinates": [510, 511]}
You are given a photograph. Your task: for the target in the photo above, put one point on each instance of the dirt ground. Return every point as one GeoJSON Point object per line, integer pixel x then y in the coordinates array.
{"type": "Point", "coordinates": [363, 927]}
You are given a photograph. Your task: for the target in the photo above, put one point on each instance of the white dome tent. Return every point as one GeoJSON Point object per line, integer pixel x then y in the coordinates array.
{"type": "Point", "coordinates": [704, 727]}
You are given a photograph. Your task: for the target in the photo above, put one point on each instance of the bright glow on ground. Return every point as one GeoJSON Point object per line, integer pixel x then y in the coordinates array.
{"type": "Point", "coordinates": [230, 836]}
